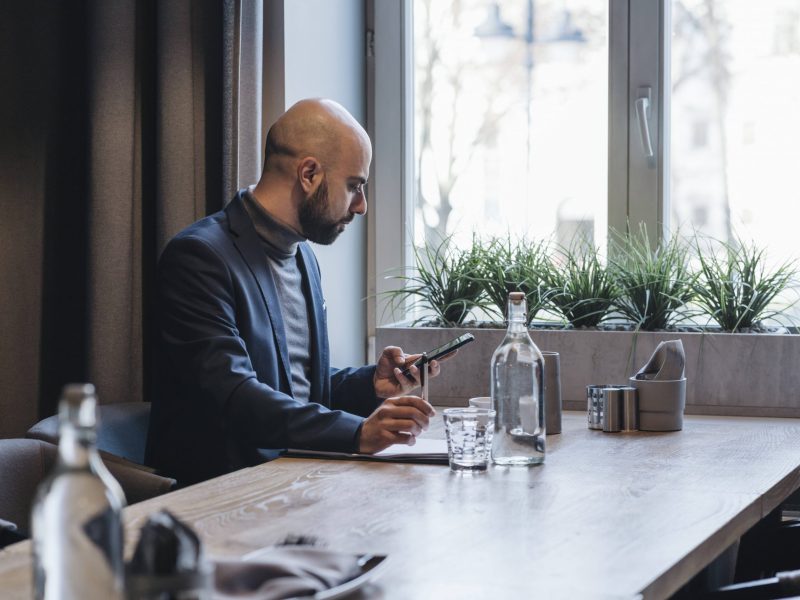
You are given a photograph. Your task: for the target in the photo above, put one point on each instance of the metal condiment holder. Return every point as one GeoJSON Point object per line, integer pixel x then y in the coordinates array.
{"type": "Point", "coordinates": [612, 408]}
{"type": "Point", "coordinates": [620, 409]}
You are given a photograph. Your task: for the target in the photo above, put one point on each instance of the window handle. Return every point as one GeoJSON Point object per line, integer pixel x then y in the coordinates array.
{"type": "Point", "coordinates": [642, 114]}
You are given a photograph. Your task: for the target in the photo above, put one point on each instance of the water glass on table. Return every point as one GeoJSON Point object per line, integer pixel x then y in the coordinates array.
{"type": "Point", "coordinates": [469, 438]}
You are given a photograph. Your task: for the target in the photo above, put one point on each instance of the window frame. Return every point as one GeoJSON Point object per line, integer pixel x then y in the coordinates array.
{"type": "Point", "coordinates": [390, 88]}
{"type": "Point", "coordinates": [638, 189]}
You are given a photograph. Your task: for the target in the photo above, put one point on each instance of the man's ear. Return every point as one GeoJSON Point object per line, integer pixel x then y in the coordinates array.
{"type": "Point", "coordinates": [309, 173]}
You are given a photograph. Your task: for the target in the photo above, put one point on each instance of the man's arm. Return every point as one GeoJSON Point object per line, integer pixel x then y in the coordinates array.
{"type": "Point", "coordinates": [198, 302]}
{"type": "Point", "coordinates": [400, 418]}
{"type": "Point", "coordinates": [360, 391]}
{"type": "Point", "coordinates": [353, 390]}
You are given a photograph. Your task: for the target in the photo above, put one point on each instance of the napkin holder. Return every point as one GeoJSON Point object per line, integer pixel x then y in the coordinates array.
{"type": "Point", "coordinates": [661, 403]}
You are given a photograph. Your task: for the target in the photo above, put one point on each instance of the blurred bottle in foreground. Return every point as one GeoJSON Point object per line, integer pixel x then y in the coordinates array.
{"type": "Point", "coordinates": [76, 522]}
{"type": "Point", "coordinates": [517, 385]}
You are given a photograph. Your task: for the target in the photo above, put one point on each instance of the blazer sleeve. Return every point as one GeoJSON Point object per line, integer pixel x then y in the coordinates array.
{"type": "Point", "coordinates": [353, 390]}
{"type": "Point", "coordinates": [211, 365]}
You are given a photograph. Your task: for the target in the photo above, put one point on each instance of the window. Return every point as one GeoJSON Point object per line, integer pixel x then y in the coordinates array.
{"type": "Point", "coordinates": [507, 101]}
{"type": "Point", "coordinates": [699, 134]}
{"type": "Point", "coordinates": [736, 69]}
{"type": "Point", "coordinates": [551, 118]}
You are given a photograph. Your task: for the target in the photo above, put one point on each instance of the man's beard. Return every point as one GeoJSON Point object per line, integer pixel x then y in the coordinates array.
{"type": "Point", "coordinates": [314, 219]}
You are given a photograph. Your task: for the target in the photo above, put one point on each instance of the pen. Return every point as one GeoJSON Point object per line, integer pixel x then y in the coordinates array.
{"type": "Point", "coordinates": [423, 376]}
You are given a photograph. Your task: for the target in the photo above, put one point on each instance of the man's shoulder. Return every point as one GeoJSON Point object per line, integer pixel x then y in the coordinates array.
{"type": "Point", "coordinates": [218, 228]}
{"type": "Point", "coordinates": [213, 231]}
{"type": "Point", "coordinates": [208, 228]}
{"type": "Point", "coordinates": [209, 239]}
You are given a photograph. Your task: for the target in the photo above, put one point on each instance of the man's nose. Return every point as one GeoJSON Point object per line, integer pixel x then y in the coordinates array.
{"type": "Point", "coordinates": [359, 205]}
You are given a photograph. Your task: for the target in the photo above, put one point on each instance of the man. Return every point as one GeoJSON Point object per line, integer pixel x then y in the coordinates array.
{"type": "Point", "coordinates": [243, 347]}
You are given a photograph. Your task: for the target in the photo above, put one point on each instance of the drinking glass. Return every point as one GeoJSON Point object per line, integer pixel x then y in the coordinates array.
{"type": "Point", "coordinates": [469, 438]}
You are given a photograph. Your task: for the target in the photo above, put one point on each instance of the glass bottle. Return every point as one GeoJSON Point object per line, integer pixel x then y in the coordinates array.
{"type": "Point", "coordinates": [517, 385]}
{"type": "Point", "coordinates": [76, 522]}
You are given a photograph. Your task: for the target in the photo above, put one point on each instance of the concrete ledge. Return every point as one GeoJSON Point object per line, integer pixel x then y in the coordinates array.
{"type": "Point", "coordinates": [728, 374]}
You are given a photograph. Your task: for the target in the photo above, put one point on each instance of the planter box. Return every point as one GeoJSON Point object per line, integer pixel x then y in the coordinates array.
{"type": "Point", "coordinates": [727, 374]}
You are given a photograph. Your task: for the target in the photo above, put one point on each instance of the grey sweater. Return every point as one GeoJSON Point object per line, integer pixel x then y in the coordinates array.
{"type": "Point", "coordinates": [280, 250]}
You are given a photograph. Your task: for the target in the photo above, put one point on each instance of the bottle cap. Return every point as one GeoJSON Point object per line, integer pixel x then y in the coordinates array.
{"type": "Point", "coordinates": [516, 296]}
{"type": "Point", "coordinates": [78, 405]}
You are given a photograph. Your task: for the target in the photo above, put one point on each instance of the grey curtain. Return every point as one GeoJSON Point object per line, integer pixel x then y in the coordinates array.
{"type": "Point", "coordinates": [126, 121]}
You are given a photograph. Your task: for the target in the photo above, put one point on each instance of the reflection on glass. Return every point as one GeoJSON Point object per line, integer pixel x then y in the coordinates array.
{"type": "Point", "coordinates": [510, 119]}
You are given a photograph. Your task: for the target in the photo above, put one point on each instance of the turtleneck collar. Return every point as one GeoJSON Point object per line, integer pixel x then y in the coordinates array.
{"type": "Point", "coordinates": [280, 240]}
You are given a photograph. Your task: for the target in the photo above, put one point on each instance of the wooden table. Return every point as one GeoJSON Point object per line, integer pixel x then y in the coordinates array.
{"type": "Point", "coordinates": [607, 516]}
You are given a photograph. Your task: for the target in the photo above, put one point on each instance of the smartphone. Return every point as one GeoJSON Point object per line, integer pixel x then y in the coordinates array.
{"type": "Point", "coordinates": [442, 350]}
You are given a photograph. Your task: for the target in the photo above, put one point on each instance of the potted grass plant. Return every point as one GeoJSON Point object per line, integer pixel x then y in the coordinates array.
{"type": "Point", "coordinates": [735, 288]}
{"type": "Point", "coordinates": [515, 266]}
{"type": "Point", "coordinates": [655, 283]}
{"type": "Point", "coordinates": [444, 286]}
{"type": "Point", "coordinates": [619, 312]}
{"type": "Point", "coordinates": [583, 289]}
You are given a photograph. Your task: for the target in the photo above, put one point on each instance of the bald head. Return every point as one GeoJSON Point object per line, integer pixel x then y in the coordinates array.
{"type": "Point", "coordinates": [317, 164]}
{"type": "Point", "coordinates": [318, 128]}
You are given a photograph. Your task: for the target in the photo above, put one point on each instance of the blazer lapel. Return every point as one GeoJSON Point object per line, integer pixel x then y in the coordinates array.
{"type": "Point", "coordinates": [247, 242]}
{"type": "Point", "coordinates": [320, 363]}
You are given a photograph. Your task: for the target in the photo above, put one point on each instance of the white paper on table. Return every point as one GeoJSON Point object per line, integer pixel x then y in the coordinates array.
{"type": "Point", "coordinates": [423, 447]}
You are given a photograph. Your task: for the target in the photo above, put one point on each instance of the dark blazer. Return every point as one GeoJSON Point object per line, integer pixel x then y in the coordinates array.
{"type": "Point", "coordinates": [224, 384]}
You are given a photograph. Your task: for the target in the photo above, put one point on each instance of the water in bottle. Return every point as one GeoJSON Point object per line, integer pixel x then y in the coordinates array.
{"type": "Point", "coordinates": [517, 385]}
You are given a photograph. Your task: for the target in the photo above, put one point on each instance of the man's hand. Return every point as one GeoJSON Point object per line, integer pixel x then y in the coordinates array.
{"type": "Point", "coordinates": [397, 421]}
{"type": "Point", "coordinates": [389, 379]}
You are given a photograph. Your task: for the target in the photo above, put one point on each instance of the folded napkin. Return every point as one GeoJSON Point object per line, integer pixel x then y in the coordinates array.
{"type": "Point", "coordinates": [166, 546]}
{"type": "Point", "coordinates": [168, 562]}
{"type": "Point", "coordinates": [9, 534]}
{"type": "Point", "coordinates": [7, 525]}
{"type": "Point", "coordinates": [666, 364]}
{"type": "Point", "coordinates": [284, 572]}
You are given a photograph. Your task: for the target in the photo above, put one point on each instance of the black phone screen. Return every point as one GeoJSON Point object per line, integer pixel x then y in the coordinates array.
{"type": "Point", "coordinates": [444, 349]}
